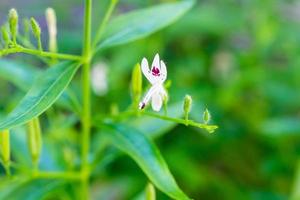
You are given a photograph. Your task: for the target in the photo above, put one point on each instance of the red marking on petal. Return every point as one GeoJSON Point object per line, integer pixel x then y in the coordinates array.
{"type": "Point", "coordinates": [155, 71]}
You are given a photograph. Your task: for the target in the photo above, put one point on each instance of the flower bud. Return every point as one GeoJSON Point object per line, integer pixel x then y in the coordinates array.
{"type": "Point", "coordinates": [168, 84]}
{"type": "Point", "coordinates": [150, 192]}
{"type": "Point", "coordinates": [13, 23]}
{"type": "Point", "coordinates": [26, 25]}
{"type": "Point", "coordinates": [5, 35]}
{"type": "Point", "coordinates": [206, 116]}
{"type": "Point", "coordinates": [34, 139]}
{"type": "Point", "coordinates": [36, 30]}
{"type": "Point", "coordinates": [187, 105]}
{"type": "Point", "coordinates": [5, 146]}
{"type": "Point", "coordinates": [52, 29]}
{"type": "Point", "coordinates": [136, 83]}
{"type": "Point", "coordinates": [114, 109]}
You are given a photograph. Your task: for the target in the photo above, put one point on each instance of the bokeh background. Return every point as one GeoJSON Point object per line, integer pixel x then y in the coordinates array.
{"type": "Point", "coordinates": [238, 58]}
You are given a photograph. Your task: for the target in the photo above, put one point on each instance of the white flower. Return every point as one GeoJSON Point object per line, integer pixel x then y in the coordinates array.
{"type": "Point", "coordinates": [99, 79]}
{"type": "Point", "coordinates": [156, 76]}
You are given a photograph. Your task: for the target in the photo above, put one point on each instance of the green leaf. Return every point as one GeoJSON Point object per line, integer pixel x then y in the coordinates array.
{"type": "Point", "coordinates": [144, 152]}
{"type": "Point", "coordinates": [280, 127]}
{"type": "Point", "coordinates": [19, 74]}
{"type": "Point", "coordinates": [26, 189]}
{"type": "Point", "coordinates": [23, 76]}
{"type": "Point", "coordinates": [144, 124]}
{"type": "Point", "coordinates": [45, 90]}
{"type": "Point", "coordinates": [139, 24]}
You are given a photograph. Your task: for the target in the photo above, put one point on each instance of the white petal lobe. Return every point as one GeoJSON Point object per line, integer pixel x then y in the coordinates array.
{"type": "Point", "coordinates": [146, 70]}
{"type": "Point", "coordinates": [157, 101]}
{"type": "Point", "coordinates": [163, 71]}
{"type": "Point", "coordinates": [155, 62]}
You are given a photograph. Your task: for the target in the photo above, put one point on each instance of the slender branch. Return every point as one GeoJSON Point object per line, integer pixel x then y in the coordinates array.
{"type": "Point", "coordinates": [86, 112]}
{"type": "Point", "coordinates": [104, 22]}
{"type": "Point", "coordinates": [56, 175]}
{"type": "Point", "coordinates": [26, 43]}
{"type": "Point", "coordinates": [20, 49]}
{"type": "Point", "coordinates": [126, 114]}
{"type": "Point", "coordinates": [186, 122]}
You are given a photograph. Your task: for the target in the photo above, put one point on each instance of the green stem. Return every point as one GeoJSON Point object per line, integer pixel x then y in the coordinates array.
{"type": "Point", "coordinates": [86, 112]}
{"type": "Point", "coordinates": [7, 169]}
{"type": "Point", "coordinates": [295, 191]}
{"type": "Point", "coordinates": [20, 49]}
{"type": "Point", "coordinates": [26, 43]}
{"type": "Point", "coordinates": [56, 175]}
{"type": "Point", "coordinates": [40, 47]}
{"type": "Point", "coordinates": [103, 24]}
{"type": "Point", "coordinates": [186, 122]}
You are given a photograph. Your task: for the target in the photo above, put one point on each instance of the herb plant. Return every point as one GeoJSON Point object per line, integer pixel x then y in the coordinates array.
{"type": "Point", "coordinates": [51, 99]}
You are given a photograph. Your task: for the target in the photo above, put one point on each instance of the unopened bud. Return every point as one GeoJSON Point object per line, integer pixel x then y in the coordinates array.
{"type": "Point", "coordinates": [150, 192]}
{"type": "Point", "coordinates": [168, 84]}
{"type": "Point", "coordinates": [36, 30]}
{"type": "Point", "coordinates": [114, 109]}
{"type": "Point", "coordinates": [34, 139]}
{"type": "Point", "coordinates": [5, 35]}
{"type": "Point", "coordinates": [136, 83]}
{"type": "Point", "coordinates": [26, 25]}
{"type": "Point", "coordinates": [187, 105]}
{"type": "Point", "coordinates": [206, 116]}
{"type": "Point", "coordinates": [52, 28]}
{"type": "Point", "coordinates": [13, 23]}
{"type": "Point", "coordinates": [5, 146]}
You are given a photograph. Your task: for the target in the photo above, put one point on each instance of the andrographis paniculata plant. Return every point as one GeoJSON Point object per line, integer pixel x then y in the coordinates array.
{"type": "Point", "coordinates": [50, 86]}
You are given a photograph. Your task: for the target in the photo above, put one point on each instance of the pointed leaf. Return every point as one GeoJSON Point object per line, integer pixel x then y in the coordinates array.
{"type": "Point", "coordinates": [19, 74]}
{"type": "Point", "coordinates": [23, 76]}
{"type": "Point", "coordinates": [139, 24]}
{"type": "Point", "coordinates": [144, 152]}
{"type": "Point", "coordinates": [45, 90]}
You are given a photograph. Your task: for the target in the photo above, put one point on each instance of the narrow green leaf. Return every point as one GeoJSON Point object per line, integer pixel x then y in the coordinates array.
{"type": "Point", "coordinates": [26, 189]}
{"type": "Point", "coordinates": [44, 92]}
{"type": "Point", "coordinates": [139, 24]}
{"type": "Point", "coordinates": [22, 76]}
{"type": "Point", "coordinates": [144, 152]}
{"type": "Point", "coordinates": [144, 124]}
{"type": "Point", "coordinates": [19, 74]}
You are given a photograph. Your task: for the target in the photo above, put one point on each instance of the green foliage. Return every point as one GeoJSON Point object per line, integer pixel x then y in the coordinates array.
{"type": "Point", "coordinates": [81, 118]}
{"type": "Point", "coordinates": [19, 74]}
{"type": "Point", "coordinates": [147, 156]}
{"type": "Point", "coordinates": [142, 23]}
{"type": "Point", "coordinates": [46, 89]}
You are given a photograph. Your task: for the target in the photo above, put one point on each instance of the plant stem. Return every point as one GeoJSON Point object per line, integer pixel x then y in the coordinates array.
{"type": "Point", "coordinates": [86, 112]}
{"type": "Point", "coordinates": [56, 175]}
{"type": "Point", "coordinates": [40, 47]}
{"type": "Point", "coordinates": [20, 49]}
{"type": "Point", "coordinates": [103, 24]}
{"type": "Point", "coordinates": [188, 122]}
{"type": "Point", "coordinates": [180, 121]}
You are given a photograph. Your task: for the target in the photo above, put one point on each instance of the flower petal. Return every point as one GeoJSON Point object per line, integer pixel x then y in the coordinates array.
{"type": "Point", "coordinates": [163, 93]}
{"type": "Point", "coordinates": [163, 71]}
{"type": "Point", "coordinates": [157, 101]}
{"type": "Point", "coordinates": [155, 62]}
{"type": "Point", "coordinates": [148, 96]}
{"type": "Point", "coordinates": [146, 71]}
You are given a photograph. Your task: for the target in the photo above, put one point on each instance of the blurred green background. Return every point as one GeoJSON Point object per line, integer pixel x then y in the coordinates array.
{"type": "Point", "coordinates": [238, 58]}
